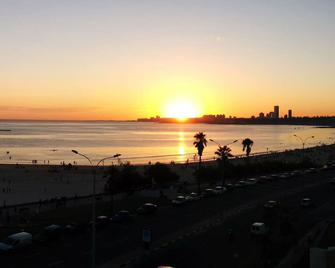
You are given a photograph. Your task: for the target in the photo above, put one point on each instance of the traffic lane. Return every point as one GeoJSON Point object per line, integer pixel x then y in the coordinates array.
{"type": "Point", "coordinates": [176, 218]}
{"type": "Point", "coordinates": [213, 249]}
{"type": "Point", "coordinates": [183, 214]}
{"type": "Point", "coordinates": [119, 239]}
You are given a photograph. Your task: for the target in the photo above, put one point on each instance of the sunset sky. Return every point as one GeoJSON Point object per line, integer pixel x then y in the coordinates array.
{"type": "Point", "coordinates": [123, 59]}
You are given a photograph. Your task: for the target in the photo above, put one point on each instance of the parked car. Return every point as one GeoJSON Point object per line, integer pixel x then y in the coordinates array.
{"type": "Point", "coordinates": [229, 186]}
{"type": "Point", "coordinates": [251, 181]}
{"type": "Point", "coordinates": [180, 200]}
{"type": "Point", "coordinates": [208, 192]}
{"type": "Point", "coordinates": [240, 184]}
{"type": "Point", "coordinates": [306, 202]}
{"type": "Point", "coordinates": [195, 196]}
{"type": "Point", "coordinates": [263, 179]}
{"type": "Point", "coordinates": [271, 204]}
{"type": "Point", "coordinates": [147, 208]}
{"type": "Point", "coordinates": [16, 241]}
{"type": "Point", "coordinates": [50, 233]}
{"type": "Point", "coordinates": [274, 176]}
{"type": "Point", "coordinates": [75, 228]}
{"type": "Point", "coordinates": [100, 222]}
{"type": "Point", "coordinates": [219, 190]}
{"type": "Point", "coordinates": [192, 197]}
{"type": "Point", "coordinates": [258, 229]}
{"type": "Point", "coordinates": [122, 216]}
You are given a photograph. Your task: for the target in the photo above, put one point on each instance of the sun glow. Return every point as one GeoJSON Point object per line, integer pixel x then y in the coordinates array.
{"type": "Point", "coordinates": [182, 110]}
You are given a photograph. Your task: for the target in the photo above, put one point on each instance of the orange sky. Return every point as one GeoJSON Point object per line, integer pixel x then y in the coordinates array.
{"type": "Point", "coordinates": [128, 60]}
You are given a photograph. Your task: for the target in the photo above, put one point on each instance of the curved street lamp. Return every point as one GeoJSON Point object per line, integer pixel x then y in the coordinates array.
{"type": "Point", "coordinates": [303, 141]}
{"type": "Point", "coordinates": [223, 145]}
{"type": "Point", "coordinates": [94, 196]}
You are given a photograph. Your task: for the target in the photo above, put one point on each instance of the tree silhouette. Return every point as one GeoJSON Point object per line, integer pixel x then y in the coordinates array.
{"type": "Point", "coordinates": [200, 143]}
{"type": "Point", "coordinates": [247, 144]}
{"type": "Point", "coordinates": [223, 154]}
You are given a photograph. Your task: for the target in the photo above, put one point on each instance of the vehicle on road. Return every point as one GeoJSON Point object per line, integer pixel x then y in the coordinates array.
{"type": "Point", "coordinates": [122, 216]}
{"type": "Point", "coordinates": [219, 190]}
{"type": "Point", "coordinates": [180, 200]}
{"type": "Point", "coordinates": [209, 192]}
{"type": "Point", "coordinates": [251, 181]}
{"type": "Point", "coordinates": [271, 204]}
{"type": "Point", "coordinates": [16, 241]}
{"type": "Point", "coordinates": [49, 233]}
{"type": "Point", "coordinates": [100, 222]}
{"type": "Point", "coordinates": [258, 229]}
{"type": "Point", "coordinates": [306, 202]}
{"type": "Point", "coordinates": [147, 208]}
{"type": "Point", "coordinates": [241, 184]}
{"type": "Point", "coordinates": [192, 197]}
{"type": "Point", "coordinates": [263, 179]}
{"type": "Point", "coordinates": [229, 186]}
{"type": "Point", "coordinates": [75, 228]}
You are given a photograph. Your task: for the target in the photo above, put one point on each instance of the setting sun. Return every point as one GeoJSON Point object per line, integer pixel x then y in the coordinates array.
{"type": "Point", "coordinates": [182, 110]}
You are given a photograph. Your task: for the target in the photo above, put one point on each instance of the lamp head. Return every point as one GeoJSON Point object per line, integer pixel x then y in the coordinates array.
{"type": "Point", "coordinates": [75, 152]}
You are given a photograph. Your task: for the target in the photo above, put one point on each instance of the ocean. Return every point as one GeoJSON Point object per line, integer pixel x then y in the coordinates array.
{"type": "Point", "coordinates": [52, 142]}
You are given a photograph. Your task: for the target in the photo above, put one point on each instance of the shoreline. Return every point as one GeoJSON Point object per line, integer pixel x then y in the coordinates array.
{"type": "Point", "coordinates": [26, 183]}
{"type": "Point", "coordinates": [171, 163]}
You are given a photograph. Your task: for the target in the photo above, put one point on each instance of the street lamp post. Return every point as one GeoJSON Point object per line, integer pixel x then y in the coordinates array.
{"type": "Point", "coordinates": [303, 141]}
{"type": "Point", "coordinates": [94, 197]}
{"type": "Point", "coordinates": [223, 145]}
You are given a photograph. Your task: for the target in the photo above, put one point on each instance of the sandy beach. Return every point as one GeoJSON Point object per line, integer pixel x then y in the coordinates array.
{"type": "Point", "coordinates": [31, 183]}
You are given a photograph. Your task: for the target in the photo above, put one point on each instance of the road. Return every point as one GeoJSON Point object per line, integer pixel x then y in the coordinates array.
{"type": "Point", "coordinates": [193, 235]}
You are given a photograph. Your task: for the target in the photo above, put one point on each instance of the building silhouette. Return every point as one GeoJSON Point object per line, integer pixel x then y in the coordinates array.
{"type": "Point", "coordinates": [276, 112]}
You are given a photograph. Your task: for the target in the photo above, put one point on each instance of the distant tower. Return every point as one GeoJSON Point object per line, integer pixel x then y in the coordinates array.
{"type": "Point", "coordinates": [290, 115]}
{"type": "Point", "coordinates": [276, 112]}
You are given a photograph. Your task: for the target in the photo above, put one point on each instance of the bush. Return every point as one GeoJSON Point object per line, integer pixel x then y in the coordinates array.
{"type": "Point", "coordinates": [161, 174]}
{"type": "Point", "coordinates": [126, 179]}
{"type": "Point", "coordinates": [207, 174]}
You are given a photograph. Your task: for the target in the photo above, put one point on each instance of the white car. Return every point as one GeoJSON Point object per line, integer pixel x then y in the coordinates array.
{"type": "Point", "coordinates": [179, 200]}
{"type": "Point", "coordinates": [219, 190]}
{"type": "Point", "coordinates": [16, 241]}
{"type": "Point", "coordinates": [306, 202]}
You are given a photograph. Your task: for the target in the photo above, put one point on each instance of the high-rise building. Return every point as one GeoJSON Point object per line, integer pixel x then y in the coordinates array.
{"type": "Point", "coordinates": [290, 114]}
{"type": "Point", "coordinates": [276, 112]}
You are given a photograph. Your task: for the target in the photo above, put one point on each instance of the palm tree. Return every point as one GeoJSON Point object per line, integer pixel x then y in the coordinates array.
{"type": "Point", "coordinates": [200, 143]}
{"type": "Point", "coordinates": [247, 144]}
{"type": "Point", "coordinates": [223, 153]}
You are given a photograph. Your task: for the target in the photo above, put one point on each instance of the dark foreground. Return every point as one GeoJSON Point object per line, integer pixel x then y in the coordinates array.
{"type": "Point", "coordinates": [195, 234]}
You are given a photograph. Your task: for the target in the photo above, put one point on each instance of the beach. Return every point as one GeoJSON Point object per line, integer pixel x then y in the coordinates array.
{"type": "Point", "coordinates": [32, 183]}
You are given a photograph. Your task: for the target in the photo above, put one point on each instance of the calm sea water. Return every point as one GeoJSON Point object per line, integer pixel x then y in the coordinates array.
{"type": "Point", "coordinates": [140, 142]}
